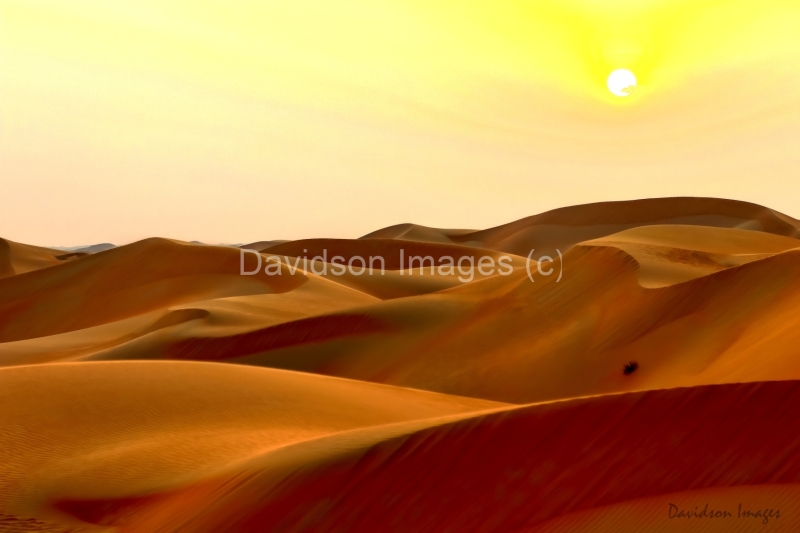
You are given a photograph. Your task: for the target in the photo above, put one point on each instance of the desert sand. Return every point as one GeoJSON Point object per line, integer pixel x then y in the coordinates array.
{"type": "Point", "coordinates": [153, 388]}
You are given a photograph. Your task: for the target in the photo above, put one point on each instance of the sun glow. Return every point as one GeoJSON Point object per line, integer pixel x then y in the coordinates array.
{"type": "Point", "coordinates": [172, 97]}
{"type": "Point", "coordinates": [621, 82]}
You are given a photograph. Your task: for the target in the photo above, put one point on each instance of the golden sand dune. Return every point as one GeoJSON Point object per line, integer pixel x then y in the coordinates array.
{"type": "Point", "coordinates": [149, 388]}
{"type": "Point", "coordinates": [123, 282]}
{"type": "Point", "coordinates": [147, 335]}
{"type": "Point", "coordinates": [16, 258]}
{"type": "Point", "coordinates": [502, 338]}
{"type": "Point", "coordinates": [519, 341]}
{"type": "Point", "coordinates": [138, 336]}
{"type": "Point", "coordinates": [673, 254]}
{"type": "Point", "coordinates": [508, 339]}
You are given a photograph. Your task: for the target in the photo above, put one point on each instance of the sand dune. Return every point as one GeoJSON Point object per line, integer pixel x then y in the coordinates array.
{"type": "Point", "coordinates": [509, 469]}
{"type": "Point", "coordinates": [674, 254]}
{"type": "Point", "coordinates": [152, 388]}
{"type": "Point", "coordinates": [16, 258]}
{"type": "Point", "coordinates": [510, 340]}
{"type": "Point", "coordinates": [562, 228]}
{"type": "Point", "coordinates": [522, 342]}
{"type": "Point", "coordinates": [568, 226]}
{"type": "Point", "coordinates": [123, 282]}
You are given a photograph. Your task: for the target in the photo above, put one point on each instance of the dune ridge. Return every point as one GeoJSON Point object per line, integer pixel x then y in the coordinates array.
{"type": "Point", "coordinates": [564, 227]}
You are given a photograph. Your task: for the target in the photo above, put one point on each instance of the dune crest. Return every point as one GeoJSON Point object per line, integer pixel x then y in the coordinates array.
{"type": "Point", "coordinates": [567, 226]}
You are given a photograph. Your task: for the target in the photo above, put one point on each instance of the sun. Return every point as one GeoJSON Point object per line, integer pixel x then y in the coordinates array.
{"type": "Point", "coordinates": [621, 82]}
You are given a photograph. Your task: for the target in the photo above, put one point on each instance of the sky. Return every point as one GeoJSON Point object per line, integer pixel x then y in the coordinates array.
{"type": "Point", "coordinates": [232, 122]}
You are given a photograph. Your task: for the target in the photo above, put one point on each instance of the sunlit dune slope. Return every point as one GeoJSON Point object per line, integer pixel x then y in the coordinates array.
{"type": "Point", "coordinates": [673, 254]}
{"type": "Point", "coordinates": [511, 470]}
{"type": "Point", "coordinates": [123, 282]}
{"type": "Point", "coordinates": [97, 430]}
{"type": "Point", "coordinates": [16, 258]}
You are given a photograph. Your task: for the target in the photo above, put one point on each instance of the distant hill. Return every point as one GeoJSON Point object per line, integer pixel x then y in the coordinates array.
{"type": "Point", "coordinates": [92, 249]}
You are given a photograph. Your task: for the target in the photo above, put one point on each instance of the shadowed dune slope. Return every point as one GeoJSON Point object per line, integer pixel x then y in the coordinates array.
{"type": "Point", "coordinates": [89, 430]}
{"type": "Point", "coordinates": [511, 470]}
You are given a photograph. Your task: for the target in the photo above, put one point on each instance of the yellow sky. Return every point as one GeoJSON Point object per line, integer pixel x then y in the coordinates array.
{"type": "Point", "coordinates": [239, 121]}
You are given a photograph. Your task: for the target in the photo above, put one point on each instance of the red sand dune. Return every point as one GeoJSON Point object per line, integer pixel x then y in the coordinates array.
{"type": "Point", "coordinates": [152, 388]}
{"type": "Point", "coordinates": [510, 470]}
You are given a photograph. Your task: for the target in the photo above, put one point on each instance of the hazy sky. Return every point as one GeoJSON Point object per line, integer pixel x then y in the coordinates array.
{"type": "Point", "coordinates": [248, 120]}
